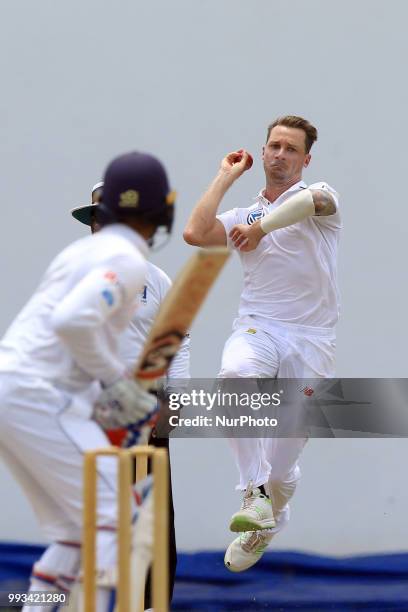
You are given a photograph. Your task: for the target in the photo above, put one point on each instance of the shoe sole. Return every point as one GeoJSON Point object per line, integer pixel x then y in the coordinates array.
{"type": "Point", "coordinates": [251, 560]}
{"type": "Point", "coordinates": [241, 523]}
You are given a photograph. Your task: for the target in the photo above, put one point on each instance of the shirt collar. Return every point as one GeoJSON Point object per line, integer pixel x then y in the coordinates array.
{"type": "Point", "coordinates": [299, 185]}
{"type": "Point", "coordinates": [127, 232]}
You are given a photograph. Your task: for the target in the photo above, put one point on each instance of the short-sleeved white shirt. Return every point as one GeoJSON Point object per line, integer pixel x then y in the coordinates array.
{"type": "Point", "coordinates": [291, 276]}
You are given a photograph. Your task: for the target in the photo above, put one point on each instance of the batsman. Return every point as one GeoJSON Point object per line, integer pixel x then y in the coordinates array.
{"type": "Point", "coordinates": [58, 353]}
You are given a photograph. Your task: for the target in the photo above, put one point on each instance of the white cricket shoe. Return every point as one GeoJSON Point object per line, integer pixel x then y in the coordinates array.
{"type": "Point", "coordinates": [255, 513]}
{"type": "Point", "coordinates": [246, 550]}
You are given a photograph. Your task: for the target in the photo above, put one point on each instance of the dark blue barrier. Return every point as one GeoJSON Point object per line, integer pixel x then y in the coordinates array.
{"type": "Point", "coordinates": [284, 581]}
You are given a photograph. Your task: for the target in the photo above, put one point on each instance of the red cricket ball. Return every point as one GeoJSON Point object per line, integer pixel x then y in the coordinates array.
{"type": "Point", "coordinates": [250, 160]}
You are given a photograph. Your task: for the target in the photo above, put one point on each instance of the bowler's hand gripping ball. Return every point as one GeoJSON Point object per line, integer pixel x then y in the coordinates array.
{"type": "Point", "coordinates": [250, 160]}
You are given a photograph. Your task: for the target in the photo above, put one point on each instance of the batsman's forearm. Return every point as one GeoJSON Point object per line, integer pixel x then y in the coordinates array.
{"type": "Point", "coordinates": [203, 217]}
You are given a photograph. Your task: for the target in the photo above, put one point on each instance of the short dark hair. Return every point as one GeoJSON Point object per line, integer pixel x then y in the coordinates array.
{"type": "Point", "coordinates": [293, 121]}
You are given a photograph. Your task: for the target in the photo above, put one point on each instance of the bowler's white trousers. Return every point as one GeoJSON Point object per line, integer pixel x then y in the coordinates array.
{"type": "Point", "coordinates": [274, 350]}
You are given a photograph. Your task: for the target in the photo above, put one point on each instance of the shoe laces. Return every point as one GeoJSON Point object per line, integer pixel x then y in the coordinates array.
{"type": "Point", "coordinates": [248, 497]}
{"type": "Point", "coordinates": [251, 540]}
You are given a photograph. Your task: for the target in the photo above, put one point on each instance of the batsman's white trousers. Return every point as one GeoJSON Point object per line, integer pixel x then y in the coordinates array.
{"type": "Point", "coordinates": [43, 436]}
{"type": "Point", "coordinates": [275, 350]}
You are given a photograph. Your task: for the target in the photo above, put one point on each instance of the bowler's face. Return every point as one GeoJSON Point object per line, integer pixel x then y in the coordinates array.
{"type": "Point", "coordinates": [284, 155]}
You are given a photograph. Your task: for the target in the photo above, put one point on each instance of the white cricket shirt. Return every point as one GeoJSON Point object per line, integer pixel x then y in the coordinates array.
{"type": "Point", "coordinates": [67, 333]}
{"type": "Point", "coordinates": [132, 340]}
{"type": "Point", "coordinates": [291, 276]}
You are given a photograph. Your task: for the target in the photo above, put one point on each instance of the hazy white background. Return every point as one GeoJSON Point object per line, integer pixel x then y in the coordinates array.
{"type": "Point", "coordinates": [189, 80]}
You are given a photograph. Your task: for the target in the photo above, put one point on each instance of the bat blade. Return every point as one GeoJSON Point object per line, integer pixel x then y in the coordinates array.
{"type": "Point", "coordinates": [177, 312]}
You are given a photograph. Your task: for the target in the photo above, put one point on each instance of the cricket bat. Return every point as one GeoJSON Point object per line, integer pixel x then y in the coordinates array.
{"type": "Point", "coordinates": [172, 322]}
{"type": "Point", "coordinates": [177, 312]}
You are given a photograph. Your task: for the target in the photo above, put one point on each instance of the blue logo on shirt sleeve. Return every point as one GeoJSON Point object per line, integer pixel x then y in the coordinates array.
{"type": "Point", "coordinates": [108, 297]}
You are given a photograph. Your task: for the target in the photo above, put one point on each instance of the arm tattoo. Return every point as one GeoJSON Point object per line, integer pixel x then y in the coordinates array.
{"type": "Point", "coordinates": [324, 203]}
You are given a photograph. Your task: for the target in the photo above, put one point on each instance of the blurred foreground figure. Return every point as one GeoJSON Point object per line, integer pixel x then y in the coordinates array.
{"type": "Point", "coordinates": [62, 382]}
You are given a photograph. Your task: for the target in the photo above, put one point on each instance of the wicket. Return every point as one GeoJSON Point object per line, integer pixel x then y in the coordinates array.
{"type": "Point", "coordinates": [124, 528]}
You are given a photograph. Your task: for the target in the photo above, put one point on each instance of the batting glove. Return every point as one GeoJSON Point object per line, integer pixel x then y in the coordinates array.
{"type": "Point", "coordinates": [124, 403]}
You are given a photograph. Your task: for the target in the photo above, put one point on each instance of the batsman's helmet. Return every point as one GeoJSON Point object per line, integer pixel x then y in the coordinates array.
{"type": "Point", "coordinates": [136, 185]}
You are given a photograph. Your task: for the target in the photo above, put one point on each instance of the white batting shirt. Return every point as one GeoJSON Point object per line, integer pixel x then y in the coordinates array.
{"type": "Point", "coordinates": [67, 333]}
{"type": "Point", "coordinates": [132, 340]}
{"type": "Point", "coordinates": [291, 277]}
